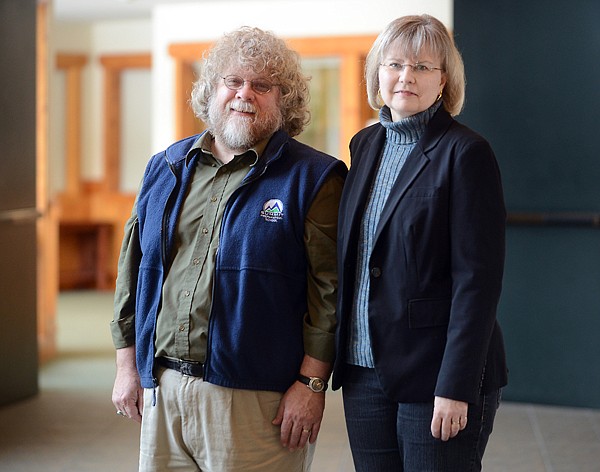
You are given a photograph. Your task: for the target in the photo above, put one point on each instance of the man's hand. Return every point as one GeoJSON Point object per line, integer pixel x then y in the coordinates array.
{"type": "Point", "coordinates": [128, 395]}
{"type": "Point", "coordinates": [300, 414]}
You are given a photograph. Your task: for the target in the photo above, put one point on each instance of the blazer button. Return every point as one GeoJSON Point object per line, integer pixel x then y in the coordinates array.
{"type": "Point", "coordinates": [376, 272]}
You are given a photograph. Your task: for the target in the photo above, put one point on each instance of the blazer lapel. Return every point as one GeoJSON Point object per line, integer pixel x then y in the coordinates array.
{"type": "Point", "coordinates": [358, 185]}
{"type": "Point", "coordinates": [363, 171]}
{"type": "Point", "coordinates": [413, 166]}
{"type": "Point", "coordinates": [415, 163]}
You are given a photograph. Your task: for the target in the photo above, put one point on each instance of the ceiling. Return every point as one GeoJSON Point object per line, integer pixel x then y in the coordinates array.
{"type": "Point", "coordinates": [89, 10]}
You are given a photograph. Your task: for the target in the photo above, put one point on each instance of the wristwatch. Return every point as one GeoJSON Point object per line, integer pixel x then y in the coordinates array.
{"type": "Point", "coordinates": [316, 384]}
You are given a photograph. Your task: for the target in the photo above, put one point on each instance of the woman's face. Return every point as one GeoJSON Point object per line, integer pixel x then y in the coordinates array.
{"type": "Point", "coordinates": [409, 85]}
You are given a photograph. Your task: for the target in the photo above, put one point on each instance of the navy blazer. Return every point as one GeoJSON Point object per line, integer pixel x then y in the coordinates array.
{"type": "Point", "coordinates": [436, 267]}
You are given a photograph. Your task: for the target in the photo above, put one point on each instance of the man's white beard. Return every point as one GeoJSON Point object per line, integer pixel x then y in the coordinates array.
{"type": "Point", "coordinates": [240, 133]}
{"type": "Point", "coordinates": [237, 133]}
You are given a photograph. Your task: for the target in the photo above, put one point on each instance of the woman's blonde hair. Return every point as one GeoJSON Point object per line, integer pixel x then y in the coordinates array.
{"type": "Point", "coordinates": [264, 53]}
{"type": "Point", "coordinates": [414, 33]}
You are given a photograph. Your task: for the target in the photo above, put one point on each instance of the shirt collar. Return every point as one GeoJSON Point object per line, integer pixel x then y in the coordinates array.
{"type": "Point", "coordinates": [204, 145]}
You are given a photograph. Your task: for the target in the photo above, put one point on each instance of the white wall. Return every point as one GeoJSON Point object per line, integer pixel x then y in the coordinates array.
{"type": "Point", "coordinates": [136, 127]}
{"type": "Point", "coordinates": [147, 117]}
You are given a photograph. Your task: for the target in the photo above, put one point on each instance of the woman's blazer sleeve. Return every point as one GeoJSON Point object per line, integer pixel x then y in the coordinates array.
{"type": "Point", "coordinates": [477, 240]}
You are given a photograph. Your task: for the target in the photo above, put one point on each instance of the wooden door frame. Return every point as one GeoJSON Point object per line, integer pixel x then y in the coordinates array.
{"type": "Point", "coordinates": [114, 66]}
{"type": "Point", "coordinates": [72, 65]}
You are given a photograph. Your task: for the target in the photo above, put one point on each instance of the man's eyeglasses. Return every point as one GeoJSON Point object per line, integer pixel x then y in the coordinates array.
{"type": "Point", "coordinates": [417, 68]}
{"type": "Point", "coordinates": [260, 86]}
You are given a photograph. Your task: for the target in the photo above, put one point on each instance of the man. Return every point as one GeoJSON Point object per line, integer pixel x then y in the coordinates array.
{"type": "Point", "coordinates": [225, 299]}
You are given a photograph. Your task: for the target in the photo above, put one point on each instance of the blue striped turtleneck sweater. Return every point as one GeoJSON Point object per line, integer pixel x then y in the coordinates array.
{"type": "Point", "coordinates": [401, 137]}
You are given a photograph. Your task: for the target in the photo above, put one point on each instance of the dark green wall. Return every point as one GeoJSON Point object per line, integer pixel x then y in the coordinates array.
{"type": "Point", "coordinates": [533, 90]}
{"type": "Point", "coordinates": [18, 333]}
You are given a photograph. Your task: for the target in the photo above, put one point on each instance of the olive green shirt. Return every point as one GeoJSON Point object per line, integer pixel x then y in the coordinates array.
{"type": "Point", "coordinates": [182, 324]}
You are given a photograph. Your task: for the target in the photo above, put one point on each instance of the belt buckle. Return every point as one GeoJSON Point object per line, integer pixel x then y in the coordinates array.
{"type": "Point", "coordinates": [185, 368]}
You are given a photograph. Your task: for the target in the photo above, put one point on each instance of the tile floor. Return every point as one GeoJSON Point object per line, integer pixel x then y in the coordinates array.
{"type": "Point", "coordinates": [71, 425]}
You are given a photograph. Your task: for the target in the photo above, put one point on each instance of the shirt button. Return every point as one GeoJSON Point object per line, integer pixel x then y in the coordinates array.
{"type": "Point", "coordinates": [213, 199]}
{"type": "Point", "coordinates": [204, 231]}
{"type": "Point", "coordinates": [196, 261]}
{"type": "Point", "coordinates": [187, 293]}
{"type": "Point", "coordinates": [181, 327]}
{"type": "Point", "coordinates": [376, 272]}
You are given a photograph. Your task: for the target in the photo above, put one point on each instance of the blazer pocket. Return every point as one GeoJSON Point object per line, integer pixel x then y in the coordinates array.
{"type": "Point", "coordinates": [428, 312]}
{"type": "Point", "coordinates": [422, 192]}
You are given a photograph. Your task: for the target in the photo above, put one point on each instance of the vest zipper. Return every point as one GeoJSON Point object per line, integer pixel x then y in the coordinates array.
{"type": "Point", "coordinates": [166, 217]}
{"type": "Point", "coordinates": [245, 182]}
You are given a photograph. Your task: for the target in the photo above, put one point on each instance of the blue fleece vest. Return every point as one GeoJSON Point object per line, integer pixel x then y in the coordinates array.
{"type": "Point", "coordinates": [259, 296]}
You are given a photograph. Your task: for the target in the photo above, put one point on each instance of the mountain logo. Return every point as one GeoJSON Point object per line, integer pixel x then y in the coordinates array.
{"type": "Point", "coordinates": [272, 210]}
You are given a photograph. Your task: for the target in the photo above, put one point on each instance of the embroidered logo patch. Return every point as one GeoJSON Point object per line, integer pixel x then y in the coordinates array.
{"type": "Point", "coordinates": [272, 210]}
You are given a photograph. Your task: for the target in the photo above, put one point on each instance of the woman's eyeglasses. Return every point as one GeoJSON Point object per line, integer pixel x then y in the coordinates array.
{"type": "Point", "coordinates": [417, 68]}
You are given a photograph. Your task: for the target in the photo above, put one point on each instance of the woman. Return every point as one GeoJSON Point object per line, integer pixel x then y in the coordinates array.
{"type": "Point", "coordinates": [420, 355]}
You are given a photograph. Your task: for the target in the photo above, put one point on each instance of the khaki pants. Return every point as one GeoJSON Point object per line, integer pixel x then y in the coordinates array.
{"type": "Point", "coordinates": [198, 426]}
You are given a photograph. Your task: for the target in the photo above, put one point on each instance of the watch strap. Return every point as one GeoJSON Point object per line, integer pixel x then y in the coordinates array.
{"type": "Point", "coordinates": [310, 381]}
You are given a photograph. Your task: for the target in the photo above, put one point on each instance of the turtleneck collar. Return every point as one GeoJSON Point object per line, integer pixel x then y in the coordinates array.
{"type": "Point", "coordinates": [408, 130]}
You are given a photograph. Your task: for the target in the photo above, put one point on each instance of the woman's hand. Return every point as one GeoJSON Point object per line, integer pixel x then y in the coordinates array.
{"type": "Point", "coordinates": [449, 418]}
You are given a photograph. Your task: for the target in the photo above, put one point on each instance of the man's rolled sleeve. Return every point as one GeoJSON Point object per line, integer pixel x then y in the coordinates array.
{"type": "Point", "coordinates": [122, 327]}
{"type": "Point", "coordinates": [320, 238]}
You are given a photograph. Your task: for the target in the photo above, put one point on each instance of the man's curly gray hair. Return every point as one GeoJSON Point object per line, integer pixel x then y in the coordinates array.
{"type": "Point", "coordinates": [266, 54]}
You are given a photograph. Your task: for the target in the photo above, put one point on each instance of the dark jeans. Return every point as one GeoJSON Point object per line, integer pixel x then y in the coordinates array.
{"type": "Point", "coordinates": [386, 436]}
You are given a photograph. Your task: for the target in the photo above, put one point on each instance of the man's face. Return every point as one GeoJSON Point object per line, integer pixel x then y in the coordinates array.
{"type": "Point", "coordinates": [242, 113]}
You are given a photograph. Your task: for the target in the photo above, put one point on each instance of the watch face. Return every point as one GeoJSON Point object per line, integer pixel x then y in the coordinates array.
{"type": "Point", "coordinates": [316, 384]}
